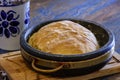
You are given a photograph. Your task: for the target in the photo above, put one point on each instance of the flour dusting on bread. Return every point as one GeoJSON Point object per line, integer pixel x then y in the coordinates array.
{"type": "Point", "coordinates": [64, 37]}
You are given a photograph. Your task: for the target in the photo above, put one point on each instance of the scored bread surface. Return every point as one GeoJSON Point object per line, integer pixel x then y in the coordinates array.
{"type": "Point", "coordinates": [64, 37]}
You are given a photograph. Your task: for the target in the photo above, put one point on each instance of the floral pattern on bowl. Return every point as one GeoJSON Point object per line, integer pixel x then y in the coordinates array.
{"type": "Point", "coordinates": [9, 24]}
{"type": "Point", "coordinates": [6, 3]}
{"type": "Point", "coordinates": [27, 15]}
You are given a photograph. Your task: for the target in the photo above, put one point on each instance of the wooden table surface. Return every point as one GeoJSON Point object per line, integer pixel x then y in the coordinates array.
{"type": "Point", "coordinates": [104, 12]}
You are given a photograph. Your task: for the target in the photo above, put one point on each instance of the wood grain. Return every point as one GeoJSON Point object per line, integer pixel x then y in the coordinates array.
{"type": "Point", "coordinates": [104, 12]}
{"type": "Point", "coordinates": [16, 68]}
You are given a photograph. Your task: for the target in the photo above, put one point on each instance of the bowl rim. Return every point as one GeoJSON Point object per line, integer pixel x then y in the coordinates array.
{"type": "Point", "coordinates": [57, 57]}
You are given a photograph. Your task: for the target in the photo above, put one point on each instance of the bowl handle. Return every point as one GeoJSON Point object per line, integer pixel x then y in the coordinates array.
{"type": "Point", "coordinates": [45, 71]}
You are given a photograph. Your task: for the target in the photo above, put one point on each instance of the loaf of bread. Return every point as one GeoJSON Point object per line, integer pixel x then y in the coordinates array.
{"type": "Point", "coordinates": [64, 37]}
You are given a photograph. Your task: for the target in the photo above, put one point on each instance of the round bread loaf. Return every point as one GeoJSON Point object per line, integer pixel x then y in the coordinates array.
{"type": "Point", "coordinates": [64, 37]}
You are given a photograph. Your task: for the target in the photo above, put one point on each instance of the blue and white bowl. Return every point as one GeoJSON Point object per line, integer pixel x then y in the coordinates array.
{"type": "Point", "coordinates": [69, 64]}
{"type": "Point", "coordinates": [14, 18]}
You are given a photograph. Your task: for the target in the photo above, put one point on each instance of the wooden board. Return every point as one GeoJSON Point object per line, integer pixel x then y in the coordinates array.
{"type": "Point", "coordinates": [13, 64]}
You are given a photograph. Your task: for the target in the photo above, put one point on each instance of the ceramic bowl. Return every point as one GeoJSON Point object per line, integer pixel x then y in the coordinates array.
{"type": "Point", "coordinates": [67, 64]}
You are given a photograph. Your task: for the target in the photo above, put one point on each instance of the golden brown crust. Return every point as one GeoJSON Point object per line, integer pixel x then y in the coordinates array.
{"type": "Point", "coordinates": [64, 37]}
